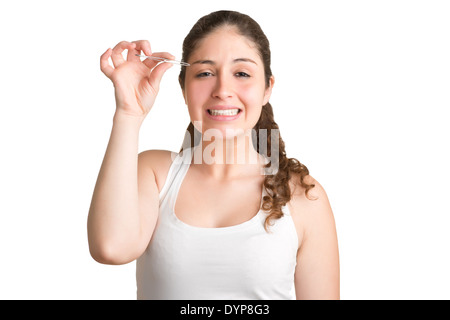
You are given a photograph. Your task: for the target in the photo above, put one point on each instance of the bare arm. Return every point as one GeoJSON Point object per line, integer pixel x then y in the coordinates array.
{"type": "Point", "coordinates": [317, 271]}
{"type": "Point", "coordinates": [124, 207]}
{"type": "Point", "coordinates": [116, 231]}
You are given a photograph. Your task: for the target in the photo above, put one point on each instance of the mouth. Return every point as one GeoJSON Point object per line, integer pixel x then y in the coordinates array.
{"type": "Point", "coordinates": [224, 112]}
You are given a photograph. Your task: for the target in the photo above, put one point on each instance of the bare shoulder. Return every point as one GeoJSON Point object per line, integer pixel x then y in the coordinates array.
{"type": "Point", "coordinates": [312, 198]}
{"type": "Point", "coordinates": [157, 163]}
{"type": "Point", "coordinates": [309, 209]}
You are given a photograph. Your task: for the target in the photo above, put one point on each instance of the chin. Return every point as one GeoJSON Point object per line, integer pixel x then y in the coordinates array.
{"type": "Point", "coordinates": [222, 130]}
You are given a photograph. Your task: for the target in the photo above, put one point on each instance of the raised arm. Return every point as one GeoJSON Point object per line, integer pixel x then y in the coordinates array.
{"type": "Point", "coordinates": [124, 208]}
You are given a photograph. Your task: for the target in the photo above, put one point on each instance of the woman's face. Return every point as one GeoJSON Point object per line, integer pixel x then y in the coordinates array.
{"type": "Point", "coordinates": [225, 85]}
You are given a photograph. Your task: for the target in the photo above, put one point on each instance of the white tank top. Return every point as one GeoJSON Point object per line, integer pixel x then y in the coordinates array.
{"type": "Point", "coordinates": [243, 261]}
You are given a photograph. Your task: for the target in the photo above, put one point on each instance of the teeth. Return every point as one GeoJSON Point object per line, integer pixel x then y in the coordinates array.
{"type": "Point", "coordinates": [228, 112]}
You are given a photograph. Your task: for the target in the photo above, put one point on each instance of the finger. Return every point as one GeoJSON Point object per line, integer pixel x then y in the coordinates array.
{"type": "Point", "coordinates": [144, 46]}
{"type": "Point", "coordinates": [133, 52]}
{"type": "Point", "coordinates": [141, 45]}
{"type": "Point", "coordinates": [152, 63]}
{"type": "Point", "coordinates": [165, 55]}
{"type": "Point", "coordinates": [117, 57]}
{"type": "Point", "coordinates": [104, 63]}
{"type": "Point", "coordinates": [157, 74]}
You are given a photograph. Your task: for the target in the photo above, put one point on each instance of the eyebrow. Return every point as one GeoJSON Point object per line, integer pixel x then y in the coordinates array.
{"type": "Point", "coordinates": [234, 61]}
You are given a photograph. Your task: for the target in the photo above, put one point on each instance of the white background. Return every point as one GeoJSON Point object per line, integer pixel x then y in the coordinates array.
{"type": "Point", "coordinates": [361, 93]}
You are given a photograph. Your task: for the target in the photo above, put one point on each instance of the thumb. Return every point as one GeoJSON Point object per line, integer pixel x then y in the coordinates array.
{"type": "Point", "coordinates": [157, 74]}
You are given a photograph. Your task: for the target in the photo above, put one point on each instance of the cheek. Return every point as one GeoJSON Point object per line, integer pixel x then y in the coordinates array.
{"type": "Point", "coordinates": [197, 93]}
{"type": "Point", "coordinates": [195, 96]}
{"type": "Point", "coordinates": [252, 96]}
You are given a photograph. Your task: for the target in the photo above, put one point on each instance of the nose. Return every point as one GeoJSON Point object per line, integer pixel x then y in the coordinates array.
{"type": "Point", "coordinates": [223, 88]}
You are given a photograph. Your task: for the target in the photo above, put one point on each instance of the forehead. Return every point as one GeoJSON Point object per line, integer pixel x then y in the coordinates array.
{"type": "Point", "coordinates": [225, 43]}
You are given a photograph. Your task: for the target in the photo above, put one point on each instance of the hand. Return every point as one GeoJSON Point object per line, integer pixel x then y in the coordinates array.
{"type": "Point", "coordinates": [136, 82]}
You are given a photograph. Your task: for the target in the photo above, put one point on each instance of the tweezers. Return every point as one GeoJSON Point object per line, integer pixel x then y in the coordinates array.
{"type": "Point", "coordinates": [181, 63]}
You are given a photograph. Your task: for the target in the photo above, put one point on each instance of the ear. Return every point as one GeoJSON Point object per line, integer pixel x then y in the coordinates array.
{"type": "Point", "coordinates": [268, 91]}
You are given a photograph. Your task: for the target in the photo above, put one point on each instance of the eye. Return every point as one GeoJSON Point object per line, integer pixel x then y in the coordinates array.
{"type": "Point", "coordinates": [242, 75]}
{"type": "Point", "coordinates": [204, 75]}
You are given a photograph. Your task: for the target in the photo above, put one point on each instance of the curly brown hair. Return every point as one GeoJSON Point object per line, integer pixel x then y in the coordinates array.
{"type": "Point", "coordinates": [276, 185]}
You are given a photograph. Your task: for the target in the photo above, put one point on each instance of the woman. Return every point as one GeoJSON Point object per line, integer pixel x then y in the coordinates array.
{"type": "Point", "coordinates": [230, 216]}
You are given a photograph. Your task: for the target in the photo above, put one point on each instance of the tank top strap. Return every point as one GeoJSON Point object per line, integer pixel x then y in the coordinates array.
{"type": "Point", "coordinates": [175, 176]}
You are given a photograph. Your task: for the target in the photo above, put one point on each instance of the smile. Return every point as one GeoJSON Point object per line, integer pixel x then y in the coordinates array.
{"type": "Point", "coordinates": [226, 112]}
{"type": "Point", "coordinates": [223, 114]}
